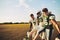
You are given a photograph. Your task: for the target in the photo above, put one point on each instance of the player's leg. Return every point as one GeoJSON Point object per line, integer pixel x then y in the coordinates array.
{"type": "Point", "coordinates": [33, 35]}
{"type": "Point", "coordinates": [43, 35]}
{"type": "Point", "coordinates": [47, 34]}
{"type": "Point", "coordinates": [37, 34]}
{"type": "Point", "coordinates": [30, 33]}
{"type": "Point", "coordinates": [50, 33]}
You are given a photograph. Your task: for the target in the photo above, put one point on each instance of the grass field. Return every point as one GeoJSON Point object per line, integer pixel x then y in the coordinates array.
{"type": "Point", "coordinates": [14, 31]}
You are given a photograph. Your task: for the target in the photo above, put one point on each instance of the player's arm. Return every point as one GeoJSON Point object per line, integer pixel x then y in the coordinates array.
{"type": "Point", "coordinates": [30, 25]}
{"type": "Point", "coordinates": [53, 21]}
{"type": "Point", "coordinates": [55, 24]}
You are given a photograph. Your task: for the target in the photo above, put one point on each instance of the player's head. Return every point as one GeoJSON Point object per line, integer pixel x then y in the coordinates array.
{"type": "Point", "coordinates": [39, 13]}
{"type": "Point", "coordinates": [45, 11]}
{"type": "Point", "coordinates": [32, 16]}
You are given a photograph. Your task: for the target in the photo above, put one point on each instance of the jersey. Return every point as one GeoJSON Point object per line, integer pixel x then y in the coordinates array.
{"type": "Point", "coordinates": [33, 22]}
{"type": "Point", "coordinates": [46, 20]}
{"type": "Point", "coordinates": [39, 19]}
{"type": "Point", "coordinates": [39, 23]}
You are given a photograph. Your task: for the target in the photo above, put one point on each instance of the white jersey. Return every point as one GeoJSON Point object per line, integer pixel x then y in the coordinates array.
{"type": "Point", "coordinates": [39, 23]}
{"type": "Point", "coordinates": [39, 27]}
{"type": "Point", "coordinates": [36, 26]}
{"type": "Point", "coordinates": [33, 22]}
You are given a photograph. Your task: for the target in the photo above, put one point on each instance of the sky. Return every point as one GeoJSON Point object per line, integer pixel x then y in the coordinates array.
{"type": "Point", "coordinates": [20, 10]}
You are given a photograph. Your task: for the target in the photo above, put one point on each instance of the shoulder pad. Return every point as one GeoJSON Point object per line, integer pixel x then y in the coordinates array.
{"type": "Point", "coordinates": [52, 17]}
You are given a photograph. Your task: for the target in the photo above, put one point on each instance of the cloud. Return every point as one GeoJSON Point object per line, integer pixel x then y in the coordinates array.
{"type": "Point", "coordinates": [22, 3]}
{"type": "Point", "coordinates": [27, 7]}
